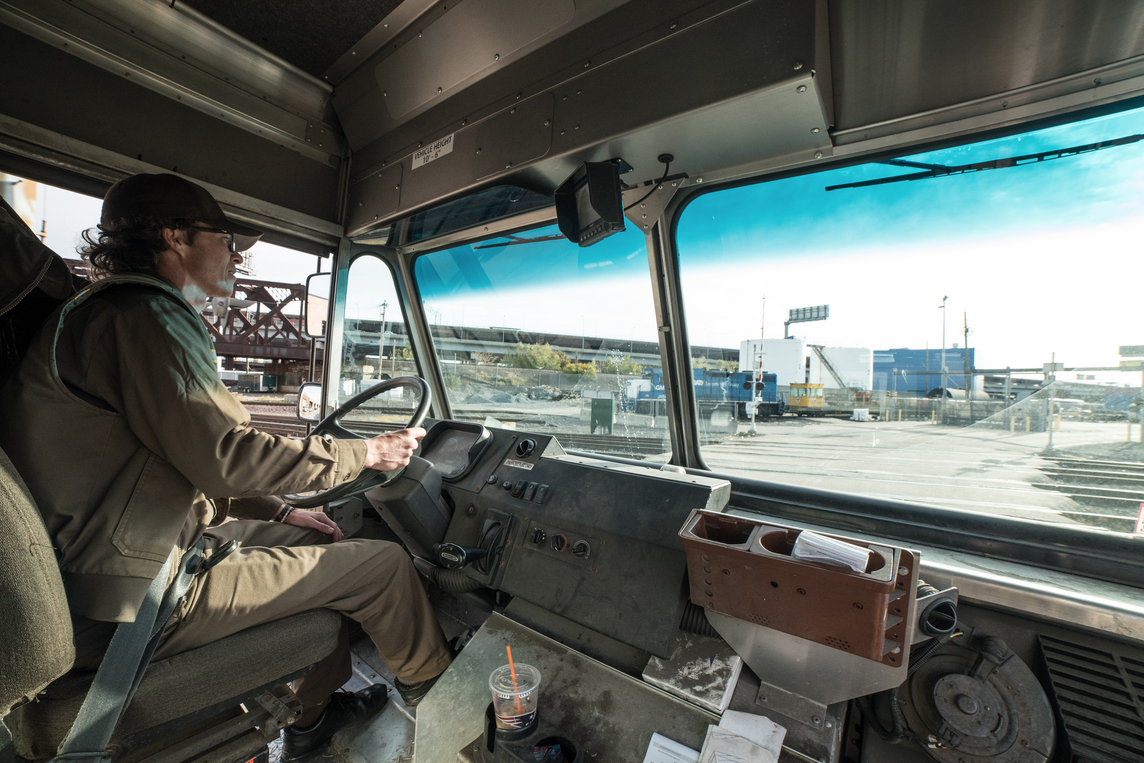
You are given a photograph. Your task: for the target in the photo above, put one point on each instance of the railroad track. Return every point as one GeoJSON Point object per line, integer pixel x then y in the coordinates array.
{"type": "Point", "coordinates": [1094, 482]}
{"type": "Point", "coordinates": [279, 424]}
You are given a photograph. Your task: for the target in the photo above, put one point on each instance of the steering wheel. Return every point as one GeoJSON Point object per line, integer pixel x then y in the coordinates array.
{"type": "Point", "coordinates": [331, 428]}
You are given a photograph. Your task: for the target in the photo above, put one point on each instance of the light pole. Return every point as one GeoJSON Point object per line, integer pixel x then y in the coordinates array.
{"type": "Point", "coordinates": [942, 308]}
{"type": "Point", "coordinates": [757, 371]}
{"type": "Point", "coordinates": [381, 337]}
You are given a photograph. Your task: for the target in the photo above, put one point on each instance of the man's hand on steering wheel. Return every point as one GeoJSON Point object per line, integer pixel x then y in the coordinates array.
{"type": "Point", "coordinates": [392, 450]}
{"type": "Point", "coordinates": [388, 454]}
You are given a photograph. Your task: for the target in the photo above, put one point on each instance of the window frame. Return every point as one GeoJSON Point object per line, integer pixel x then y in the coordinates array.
{"type": "Point", "coordinates": [1059, 548]}
{"type": "Point", "coordinates": [411, 251]}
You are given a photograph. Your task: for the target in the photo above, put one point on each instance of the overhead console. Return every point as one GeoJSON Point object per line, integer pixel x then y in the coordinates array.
{"type": "Point", "coordinates": [592, 541]}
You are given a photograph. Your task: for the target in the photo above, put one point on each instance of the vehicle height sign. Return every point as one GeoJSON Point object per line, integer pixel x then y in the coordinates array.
{"type": "Point", "coordinates": [433, 151]}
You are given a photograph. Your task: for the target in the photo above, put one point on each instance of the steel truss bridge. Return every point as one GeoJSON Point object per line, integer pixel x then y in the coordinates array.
{"type": "Point", "coordinates": [262, 320]}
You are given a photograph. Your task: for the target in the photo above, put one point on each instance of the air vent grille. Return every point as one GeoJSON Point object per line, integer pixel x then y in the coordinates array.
{"type": "Point", "coordinates": [1099, 693]}
{"type": "Point", "coordinates": [837, 643]}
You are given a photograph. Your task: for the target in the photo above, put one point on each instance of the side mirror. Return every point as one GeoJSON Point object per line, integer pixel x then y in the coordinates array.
{"type": "Point", "coordinates": [317, 306]}
{"type": "Point", "coordinates": [310, 402]}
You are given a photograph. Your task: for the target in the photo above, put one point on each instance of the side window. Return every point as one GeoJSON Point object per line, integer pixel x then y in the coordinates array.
{"type": "Point", "coordinates": [374, 349]}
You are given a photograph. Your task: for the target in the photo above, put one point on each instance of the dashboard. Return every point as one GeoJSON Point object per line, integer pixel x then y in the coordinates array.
{"type": "Point", "coordinates": [454, 447]}
{"type": "Point", "coordinates": [592, 541]}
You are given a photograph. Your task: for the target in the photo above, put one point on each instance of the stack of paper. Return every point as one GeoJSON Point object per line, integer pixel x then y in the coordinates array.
{"type": "Point", "coordinates": [739, 738]}
{"type": "Point", "coordinates": [664, 750]}
{"type": "Point", "coordinates": [724, 747]}
{"type": "Point", "coordinates": [757, 729]}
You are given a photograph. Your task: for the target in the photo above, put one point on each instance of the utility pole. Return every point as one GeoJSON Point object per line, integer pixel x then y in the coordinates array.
{"type": "Point", "coordinates": [965, 356]}
{"type": "Point", "coordinates": [757, 371]}
{"type": "Point", "coordinates": [942, 308]}
{"type": "Point", "coordinates": [381, 338]}
{"type": "Point", "coordinates": [925, 392]}
{"type": "Point", "coordinates": [1049, 380]}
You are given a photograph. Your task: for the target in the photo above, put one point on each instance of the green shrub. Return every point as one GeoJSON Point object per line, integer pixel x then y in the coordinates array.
{"type": "Point", "coordinates": [580, 369]}
{"type": "Point", "coordinates": [540, 356]}
{"type": "Point", "coordinates": [618, 365]}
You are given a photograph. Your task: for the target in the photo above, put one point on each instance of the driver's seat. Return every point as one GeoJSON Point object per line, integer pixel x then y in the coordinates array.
{"type": "Point", "coordinates": [186, 706]}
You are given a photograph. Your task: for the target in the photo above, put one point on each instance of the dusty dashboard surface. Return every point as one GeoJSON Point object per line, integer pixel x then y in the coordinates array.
{"type": "Point", "coordinates": [592, 541]}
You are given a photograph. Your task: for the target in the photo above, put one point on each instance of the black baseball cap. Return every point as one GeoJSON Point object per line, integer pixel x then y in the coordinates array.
{"type": "Point", "coordinates": [170, 196]}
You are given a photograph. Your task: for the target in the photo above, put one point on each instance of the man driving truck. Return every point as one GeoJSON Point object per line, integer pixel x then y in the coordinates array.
{"type": "Point", "coordinates": [131, 445]}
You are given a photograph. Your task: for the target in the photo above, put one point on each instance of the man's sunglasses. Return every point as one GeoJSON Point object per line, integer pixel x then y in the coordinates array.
{"type": "Point", "coordinates": [230, 244]}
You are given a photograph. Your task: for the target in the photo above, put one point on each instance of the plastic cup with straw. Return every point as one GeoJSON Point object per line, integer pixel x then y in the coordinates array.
{"type": "Point", "coordinates": [515, 689]}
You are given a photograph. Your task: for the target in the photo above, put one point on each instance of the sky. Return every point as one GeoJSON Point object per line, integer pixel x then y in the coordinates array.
{"type": "Point", "coordinates": [69, 214]}
{"type": "Point", "coordinates": [1038, 259]}
{"type": "Point", "coordinates": [1042, 261]}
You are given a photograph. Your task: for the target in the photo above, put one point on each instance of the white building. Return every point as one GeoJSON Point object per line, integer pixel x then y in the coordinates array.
{"type": "Point", "coordinates": [786, 358]}
{"type": "Point", "coordinates": [854, 366]}
{"type": "Point", "coordinates": [794, 361]}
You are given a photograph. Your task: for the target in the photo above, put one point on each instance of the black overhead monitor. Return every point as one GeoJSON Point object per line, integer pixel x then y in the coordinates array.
{"type": "Point", "coordinates": [589, 204]}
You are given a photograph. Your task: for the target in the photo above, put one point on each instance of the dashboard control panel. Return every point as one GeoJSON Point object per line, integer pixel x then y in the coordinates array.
{"type": "Point", "coordinates": [593, 541]}
{"type": "Point", "coordinates": [572, 546]}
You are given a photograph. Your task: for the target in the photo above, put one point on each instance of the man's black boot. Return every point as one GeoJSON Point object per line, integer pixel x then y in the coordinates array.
{"type": "Point", "coordinates": [412, 694]}
{"type": "Point", "coordinates": [343, 709]}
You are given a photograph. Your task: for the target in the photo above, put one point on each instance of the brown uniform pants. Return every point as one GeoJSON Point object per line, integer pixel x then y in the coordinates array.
{"type": "Point", "coordinates": [280, 570]}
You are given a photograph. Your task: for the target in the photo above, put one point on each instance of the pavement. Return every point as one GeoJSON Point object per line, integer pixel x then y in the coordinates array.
{"type": "Point", "coordinates": [974, 469]}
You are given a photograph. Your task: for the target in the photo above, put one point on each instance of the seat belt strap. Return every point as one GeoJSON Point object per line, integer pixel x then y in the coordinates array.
{"type": "Point", "coordinates": [125, 662]}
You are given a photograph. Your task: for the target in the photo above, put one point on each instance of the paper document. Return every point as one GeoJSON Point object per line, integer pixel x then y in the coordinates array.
{"type": "Point", "coordinates": [758, 728]}
{"type": "Point", "coordinates": [813, 547]}
{"type": "Point", "coordinates": [724, 747]}
{"type": "Point", "coordinates": [664, 750]}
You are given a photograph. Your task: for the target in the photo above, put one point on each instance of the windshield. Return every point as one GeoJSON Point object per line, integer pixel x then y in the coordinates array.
{"type": "Point", "coordinates": [959, 329]}
{"type": "Point", "coordinates": [538, 333]}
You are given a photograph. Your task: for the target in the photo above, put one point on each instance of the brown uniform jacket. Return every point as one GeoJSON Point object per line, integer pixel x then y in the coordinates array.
{"type": "Point", "coordinates": [119, 424]}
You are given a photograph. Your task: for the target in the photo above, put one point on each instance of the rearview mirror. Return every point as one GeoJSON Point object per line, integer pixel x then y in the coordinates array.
{"type": "Point", "coordinates": [310, 402]}
{"type": "Point", "coordinates": [317, 306]}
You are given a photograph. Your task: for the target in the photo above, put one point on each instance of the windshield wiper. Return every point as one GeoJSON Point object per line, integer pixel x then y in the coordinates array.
{"type": "Point", "coordinates": [939, 170]}
{"type": "Point", "coordinates": [516, 240]}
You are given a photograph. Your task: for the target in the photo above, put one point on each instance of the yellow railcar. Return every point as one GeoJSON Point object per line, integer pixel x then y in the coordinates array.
{"type": "Point", "coordinates": [805, 399]}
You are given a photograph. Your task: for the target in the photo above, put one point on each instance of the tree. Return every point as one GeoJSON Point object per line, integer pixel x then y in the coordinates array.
{"type": "Point", "coordinates": [535, 356]}
{"type": "Point", "coordinates": [707, 364]}
{"type": "Point", "coordinates": [580, 369]}
{"type": "Point", "coordinates": [617, 365]}
{"type": "Point", "coordinates": [485, 358]}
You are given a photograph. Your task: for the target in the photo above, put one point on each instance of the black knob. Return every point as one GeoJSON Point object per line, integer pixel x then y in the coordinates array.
{"type": "Point", "coordinates": [452, 556]}
{"type": "Point", "coordinates": [581, 549]}
{"type": "Point", "coordinates": [538, 536]}
{"type": "Point", "coordinates": [525, 448]}
{"type": "Point", "coordinates": [559, 542]}
{"type": "Point", "coordinates": [493, 479]}
{"type": "Point", "coordinates": [506, 485]}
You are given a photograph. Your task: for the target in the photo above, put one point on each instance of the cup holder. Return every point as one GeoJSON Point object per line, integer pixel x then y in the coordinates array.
{"type": "Point", "coordinates": [728, 530]}
{"type": "Point", "coordinates": [779, 542]}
